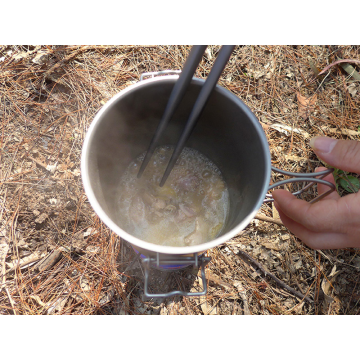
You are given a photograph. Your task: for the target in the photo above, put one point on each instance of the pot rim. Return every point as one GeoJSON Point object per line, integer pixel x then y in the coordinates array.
{"type": "Point", "coordinates": [160, 248]}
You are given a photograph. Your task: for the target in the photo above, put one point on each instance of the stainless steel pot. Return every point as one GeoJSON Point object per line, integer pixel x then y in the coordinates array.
{"type": "Point", "coordinates": [227, 132]}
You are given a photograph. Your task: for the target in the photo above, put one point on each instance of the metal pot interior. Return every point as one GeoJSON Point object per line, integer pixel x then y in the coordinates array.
{"type": "Point", "coordinates": [227, 132]}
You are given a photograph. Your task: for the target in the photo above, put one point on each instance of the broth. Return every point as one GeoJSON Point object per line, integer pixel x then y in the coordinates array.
{"type": "Point", "coordinates": [191, 208]}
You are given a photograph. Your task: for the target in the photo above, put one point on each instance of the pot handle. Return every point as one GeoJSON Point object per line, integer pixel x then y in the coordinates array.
{"type": "Point", "coordinates": [197, 261]}
{"type": "Point", "coordinates": [302, 177]}
{"type": "Point", "coordinates": [157, 73]}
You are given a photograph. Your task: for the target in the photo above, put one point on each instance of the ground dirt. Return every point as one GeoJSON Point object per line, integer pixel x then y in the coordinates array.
{"type": "Point", "coordinates": [57, 257]}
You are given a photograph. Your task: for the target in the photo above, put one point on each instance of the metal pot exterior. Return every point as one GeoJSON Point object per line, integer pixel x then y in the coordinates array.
{"type": "Point", "coordinates": [227, 132]}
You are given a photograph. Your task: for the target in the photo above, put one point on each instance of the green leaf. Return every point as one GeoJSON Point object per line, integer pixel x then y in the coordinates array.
{"type": "Point", "coordinates": [344, 183]}
{"type": "Point", "coordinates": [336, 174]}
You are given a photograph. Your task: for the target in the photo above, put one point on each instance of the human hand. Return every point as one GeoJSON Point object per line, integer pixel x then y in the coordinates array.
{"type": "Point", "coordinates": [333, 222]}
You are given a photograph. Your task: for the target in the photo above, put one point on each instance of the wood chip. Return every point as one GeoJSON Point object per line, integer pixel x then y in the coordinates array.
{"type": "Point", "coordinates": [270, 246]}
{"type": "Point", "coordinates": [268, 219]}
{"type": "Point", "coordinates": [287, 130]}
{"type": "Point", "coordinates": [306, 105]}
{"type": "Point", "coordinates": [276, 215]}
{"type": "Point", "coordinates": [37, 299]}
{"type": "Point", "coordinates": [242, 293]}
{"type": "Point", "coordinates": [50, 261]}
{"type": "Point", "coordinates": [346, 132]}
{"type": "Point", "coordinates": [205, 307]}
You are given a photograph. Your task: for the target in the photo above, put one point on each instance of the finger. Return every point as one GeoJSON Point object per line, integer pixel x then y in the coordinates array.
{"type": "Point", "coordinates": [323, 216]}
{"type": "Point", "coordinates": [314, 239]}
{"type": "Point", "coordinates": [324, 188]}
{"type": "Point", "coordinates": [342, 154]}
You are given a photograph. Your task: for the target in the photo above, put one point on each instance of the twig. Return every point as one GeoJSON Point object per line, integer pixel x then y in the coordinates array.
{"type": "Point", "coordinates": [242, 293]}
{"type": "Point", "coordinates": [268, 219]}
{"type": "Point", "coordinates": [107, 47]}
{"type": "Point", "coordinates": [318, 278]}
{"type": "Point", "coordinates": [77, 52]}
{"type": "Point", "coordinates": [49, 261]}
{"type": "Point", "coordinates": [11, 177]}
{"type": "Point", "coordinates": [136, 258]}
{"type": "Point", "coordinates": [64, 60]}
{"type": "Point", "coordinates": [4, 284]}
{"type": "Point", "coordinates": [23, 265]}
{"type": "Point", "coordinates": [215, 279]}
{"type": "Point", "coordinates": [347, 132]}
{"type": "Point", "coordinates": [38, 162]}
{"type": "Point", "coordinates": [326, 68]}
{"type": "Point", "coordinates": [248, 258]}
{"type": "Point", "coordinates": [3, 203]}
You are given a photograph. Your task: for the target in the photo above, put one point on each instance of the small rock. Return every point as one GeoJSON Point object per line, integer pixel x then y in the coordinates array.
{"type": "Point", "coordinates": [51, 168]}
{"type": "Point", "coordinates": [36, 212]}
{"type": "Point", "coordinates": [41, 57]}
{"type": "Point", "coordinates": [84, 284]}
{"type": "Point", "coordinates": [93, 249]}
{"type": "Point", "coordinates": [352, 89]}
{"type": "Point", "coordinates": [298, 265]}
{"type": "Point", "coordinates": [41, 218]}
{"type": "Point", "coordinates": [313, 272]}
{"type": "Point", "coordinates": [164, 311]}
{"type": "Point", "coordinates": [89, 231]}
{"type": "Point", "coordinates": [76, 172]}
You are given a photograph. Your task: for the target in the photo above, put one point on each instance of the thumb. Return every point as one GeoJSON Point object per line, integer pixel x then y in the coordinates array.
{"type": "Point", "coordinates": [341, 154]}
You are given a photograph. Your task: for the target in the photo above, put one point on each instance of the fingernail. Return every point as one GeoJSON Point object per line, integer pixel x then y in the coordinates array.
{"type": "Point", "coordinates": [323, 144]}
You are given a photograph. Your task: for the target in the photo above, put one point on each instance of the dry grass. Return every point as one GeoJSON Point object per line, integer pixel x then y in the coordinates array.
{"type": "Point", "coordinates": [57, 257]}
